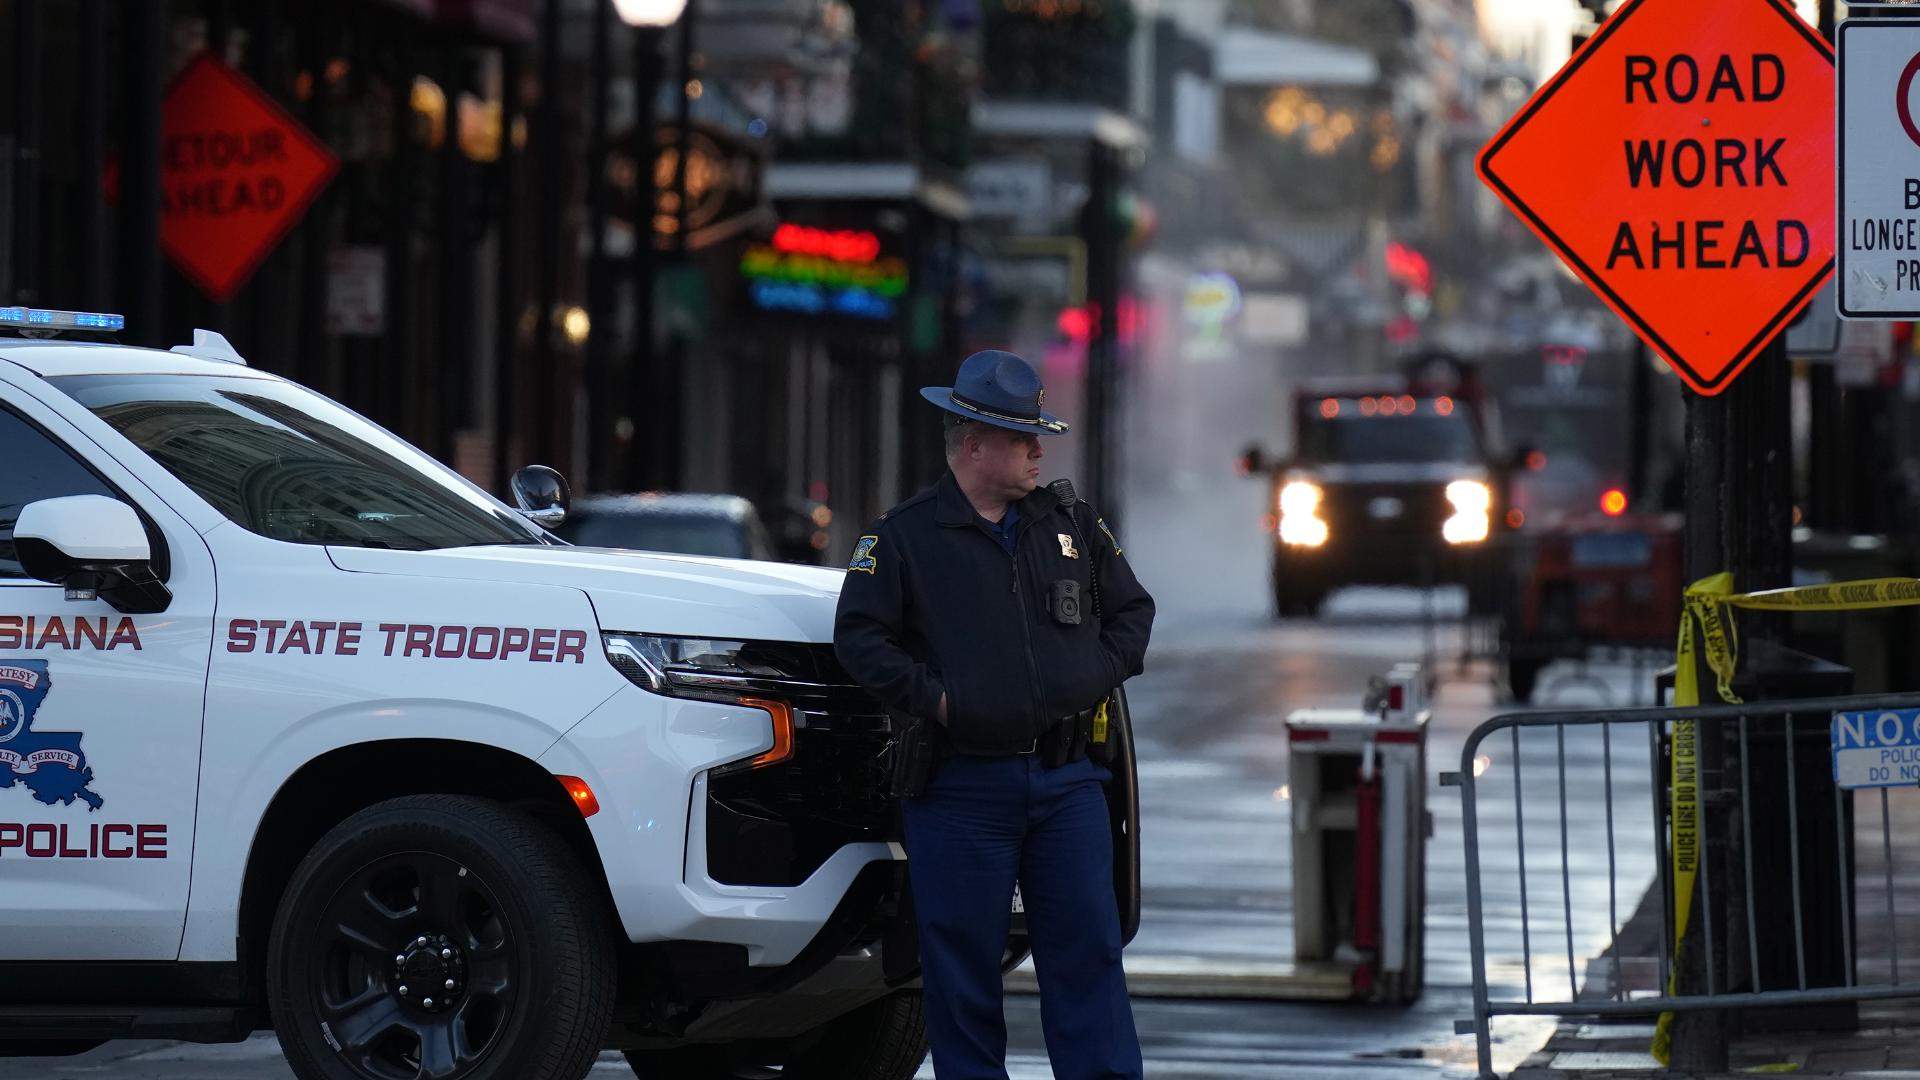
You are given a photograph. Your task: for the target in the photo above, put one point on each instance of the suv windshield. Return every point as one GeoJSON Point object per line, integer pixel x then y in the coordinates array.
{"type": "Point", "coordinates": [290, 465]}
{"type": "Point", "coordinates": [1389, 440]}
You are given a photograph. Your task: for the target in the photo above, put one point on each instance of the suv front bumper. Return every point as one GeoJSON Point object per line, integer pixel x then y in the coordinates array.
{"type": "Point", "coordinates": [648, 760]}
{"type": "Point", "coordinates": [1366, 560]}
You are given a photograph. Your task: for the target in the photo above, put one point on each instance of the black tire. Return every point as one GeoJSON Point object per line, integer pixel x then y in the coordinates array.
{"type": "Point", "coordinates": [1523, 675]}
{"type": "Point", "coordinates": [1289, 599]}
{"type": "Point", "coordinates": [1296, 605]}
{"type": "Point", "coordinates": [882, 1040]}
{"type": "Point", "coordinates": [507, 915]}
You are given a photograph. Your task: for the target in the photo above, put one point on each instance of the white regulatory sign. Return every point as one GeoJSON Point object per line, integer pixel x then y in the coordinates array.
{"type": "Point", "coordinates": [1878, 248]}
{"type": "Point", "coordinates": [1876, 749]}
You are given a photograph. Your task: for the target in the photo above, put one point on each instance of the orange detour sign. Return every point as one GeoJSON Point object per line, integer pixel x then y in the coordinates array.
{"type": "Point", "coordinates": [236, 171]}
{"type": "Point", "coordinates": [1682, 164]}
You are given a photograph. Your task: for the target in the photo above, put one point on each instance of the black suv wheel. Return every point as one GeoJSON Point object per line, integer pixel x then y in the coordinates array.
{"type": "Point", "coordinates": [441, 938]}
{"type": "Point", "coordinates": [884, 1040]}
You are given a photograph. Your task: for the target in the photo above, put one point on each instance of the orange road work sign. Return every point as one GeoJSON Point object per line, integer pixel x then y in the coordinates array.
{"type": "Point", "coordinates": [236, 171]}
{"type": "Point", "coordinates": [1682, 164]}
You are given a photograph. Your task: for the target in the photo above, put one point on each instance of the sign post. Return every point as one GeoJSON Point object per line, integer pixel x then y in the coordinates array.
{"type": "Point", "coordinates": [1681, 164]}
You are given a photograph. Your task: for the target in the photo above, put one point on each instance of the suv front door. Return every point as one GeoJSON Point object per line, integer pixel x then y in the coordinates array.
{"type": "Point", "coordinates": [100, 720]}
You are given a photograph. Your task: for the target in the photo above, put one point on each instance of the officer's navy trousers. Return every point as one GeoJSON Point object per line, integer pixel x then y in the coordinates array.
{"type": "Point", "coordinates": [984, 823]}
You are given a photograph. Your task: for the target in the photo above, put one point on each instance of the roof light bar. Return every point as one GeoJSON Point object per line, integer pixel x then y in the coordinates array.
{"type": "Point", "coordinates": [50, 319]}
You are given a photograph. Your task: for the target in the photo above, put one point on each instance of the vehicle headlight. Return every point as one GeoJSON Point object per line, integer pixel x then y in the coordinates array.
{"type": "Point", "coordinates": [1299, 498]}
{"type": "Point", "coordinates": [1469, 524]}
{"type": "Point", "coordinates": [1300, 523]}
{"type": "Point", "coordinates": [712, 669]}
{"type": "Point", "coordinates": [1470, 496]}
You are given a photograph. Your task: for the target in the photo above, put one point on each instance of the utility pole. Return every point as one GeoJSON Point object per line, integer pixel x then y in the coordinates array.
{"type": "Point", "coordinates": [641, 383]}
{"type": "Point", "coordinates": [550, 144]}
{"type": "Point", "coordinates": [602, 403]}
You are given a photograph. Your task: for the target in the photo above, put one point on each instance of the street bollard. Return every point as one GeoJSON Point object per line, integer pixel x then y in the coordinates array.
{"type": "Point", "coordinates": [1357, 779]}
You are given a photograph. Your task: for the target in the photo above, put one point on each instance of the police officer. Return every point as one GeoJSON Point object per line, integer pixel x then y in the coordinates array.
{"type": "Point", "coordinates": [971, 607]}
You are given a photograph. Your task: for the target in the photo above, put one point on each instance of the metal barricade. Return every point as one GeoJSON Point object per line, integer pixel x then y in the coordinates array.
{"type": "Point", "coordinates": [1603, 777]}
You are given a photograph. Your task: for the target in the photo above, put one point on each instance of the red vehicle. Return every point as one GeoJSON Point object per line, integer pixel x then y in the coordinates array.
{"type": "Point", "coordinates": [1606, 579]}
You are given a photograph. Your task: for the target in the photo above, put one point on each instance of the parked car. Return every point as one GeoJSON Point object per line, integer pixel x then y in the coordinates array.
{"type": "Point", "coordinates": [726, 526]}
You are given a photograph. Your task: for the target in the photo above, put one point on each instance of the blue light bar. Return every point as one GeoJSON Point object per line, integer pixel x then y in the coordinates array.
{"type": "Point", "coordinates": [51, 319]}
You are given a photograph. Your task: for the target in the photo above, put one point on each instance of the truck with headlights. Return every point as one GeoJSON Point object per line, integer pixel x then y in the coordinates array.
{"type": "Point", "coordinates": [301, 730]}
{"type": "Point", "coordinates": [1393, 480]}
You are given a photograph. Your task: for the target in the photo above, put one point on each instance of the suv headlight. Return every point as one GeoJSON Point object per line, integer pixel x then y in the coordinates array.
{"type": "Point", "coordinates": [1470, 496]}
{"type": "Point", "coordinates": [711, 669]}
{"type": "Point", "coordinates": [1472, 501]}
{"type": "Point", "coordinates": [1299, 498]}
{"type": "Point", "coordinates": [1300, 522]}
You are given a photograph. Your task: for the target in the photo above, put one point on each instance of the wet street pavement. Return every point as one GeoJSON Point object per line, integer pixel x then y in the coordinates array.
{"type": "Point", "coordinates": [1209, 712]}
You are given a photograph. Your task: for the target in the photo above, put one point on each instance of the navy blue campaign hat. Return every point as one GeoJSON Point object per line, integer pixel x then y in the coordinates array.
{"type": "Point", "coordinates": [997, 388]}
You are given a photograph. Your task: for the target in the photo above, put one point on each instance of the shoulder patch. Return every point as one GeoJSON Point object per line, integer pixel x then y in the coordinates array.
{"type": "Point", "coordinates": [1102, 522]}
{"type": "Point", "coordinates": [863, 555]}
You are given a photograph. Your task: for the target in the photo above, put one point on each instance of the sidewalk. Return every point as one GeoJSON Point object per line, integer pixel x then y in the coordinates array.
{"type": "Point", "coordinates": [1887, 1045]}
{"type": "Point", "coordinates": [1887, 1042]}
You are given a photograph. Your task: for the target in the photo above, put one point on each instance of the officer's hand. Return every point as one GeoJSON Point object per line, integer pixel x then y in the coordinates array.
{"type": "Point", "coordinates": [943, 708]}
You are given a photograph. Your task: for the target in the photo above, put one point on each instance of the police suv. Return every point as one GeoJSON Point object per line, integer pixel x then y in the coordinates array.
{"type": "Point", "coordinates": [300, 729]}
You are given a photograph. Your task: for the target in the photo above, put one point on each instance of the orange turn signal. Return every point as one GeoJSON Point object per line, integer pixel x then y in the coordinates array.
{"type": "Point", "coordinates": [782, 714]}
{"type": "Point", "coordinates": [582, 794]}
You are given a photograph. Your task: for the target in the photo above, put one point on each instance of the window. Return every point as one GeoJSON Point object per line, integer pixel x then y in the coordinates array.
{"type": "Point", "coordinates": [288, 464]}
{"type": "Point", "coordinates": [36, 468]}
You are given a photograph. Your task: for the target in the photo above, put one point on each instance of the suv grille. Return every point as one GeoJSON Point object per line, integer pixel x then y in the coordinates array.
{"type": "Point", "coordinates": [777, 825]}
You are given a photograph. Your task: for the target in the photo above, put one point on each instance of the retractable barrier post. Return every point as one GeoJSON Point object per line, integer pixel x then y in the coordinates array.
{"type": "Point", "coordinates": [1358, 793]}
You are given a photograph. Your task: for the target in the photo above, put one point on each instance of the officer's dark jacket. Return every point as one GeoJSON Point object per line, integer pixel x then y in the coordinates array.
{"type": "Point", "coordinates": [934, 603]}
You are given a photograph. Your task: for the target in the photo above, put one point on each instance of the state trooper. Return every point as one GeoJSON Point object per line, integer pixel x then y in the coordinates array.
{"type": "Point", "coordinates": [1001, 617]}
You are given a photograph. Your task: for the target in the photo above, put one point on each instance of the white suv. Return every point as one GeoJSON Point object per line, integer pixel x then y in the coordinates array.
{"type": "Point", "coordinates": [300, 728]}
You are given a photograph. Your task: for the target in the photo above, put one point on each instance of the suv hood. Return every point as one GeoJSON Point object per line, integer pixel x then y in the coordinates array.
{"type": "Point", "coordinates": [644, 592]}
{"type": "Point", "coordinates": [1392, 473]}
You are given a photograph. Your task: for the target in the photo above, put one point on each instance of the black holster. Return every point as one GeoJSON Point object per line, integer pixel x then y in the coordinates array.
{"type": "Point", "coordinates": [913, 754]}
{"type": "Point", "coordinates": [1066, 741]}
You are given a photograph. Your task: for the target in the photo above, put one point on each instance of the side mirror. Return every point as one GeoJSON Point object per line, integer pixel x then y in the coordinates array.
{"type": "Point", "coordinates": [1252, 460]}
{"type": "Point", "coordinates": [94, 546]}
{"type": "Point", "coordinates": [542, 495]}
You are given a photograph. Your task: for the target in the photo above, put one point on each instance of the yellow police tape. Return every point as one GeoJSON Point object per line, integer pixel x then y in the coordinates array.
{"type": "Point", "coordinates": [1707, 604]}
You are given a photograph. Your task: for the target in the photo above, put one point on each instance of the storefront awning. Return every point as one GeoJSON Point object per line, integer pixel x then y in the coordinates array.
{"type": "Point", "coordinates": [1247, 57]}
{"type": "Point", "coordinates": [1057, 120]}
{"type": "Point", "coordinates": [898, 181]}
